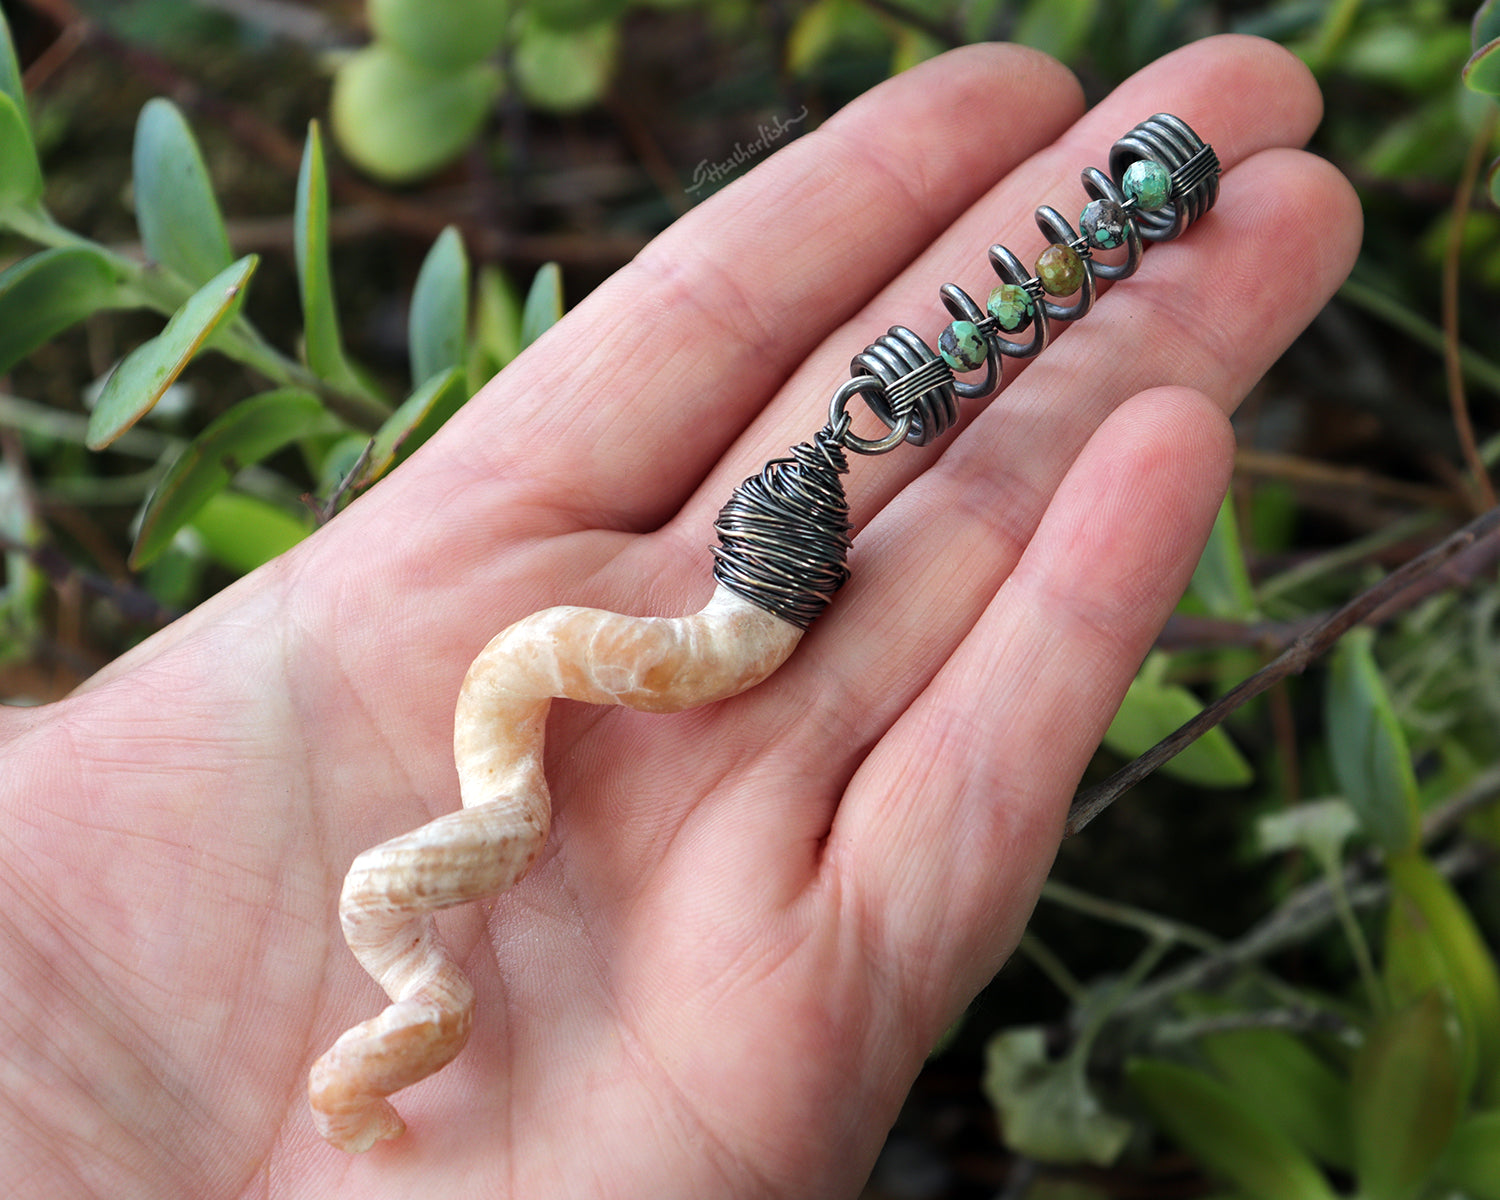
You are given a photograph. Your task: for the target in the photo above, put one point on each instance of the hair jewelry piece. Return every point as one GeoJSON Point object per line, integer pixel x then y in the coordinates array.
{"type": "Point", "coordinates": [784, 537]}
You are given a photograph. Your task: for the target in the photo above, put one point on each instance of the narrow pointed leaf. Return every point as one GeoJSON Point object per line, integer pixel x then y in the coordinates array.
{"type": "Point", "coordinates": [1406, 1099]}
{"type": "Point", "coordinates": [1482, 72]}
{"type": "Point", "coordinates": [1371, 758]}
{"type": "Point", "coordinates": [438, 324]}
{"type": "Point", "coordinates": [20, 172]}
{"type": "Point", "coordinates": [48, 292]}
{"type": "Point", "coordinates": [1221, 580]}
{"type": "Point", "coordinates": [242, 532]}
{"type": "Point", "coordinates": [10, 73]}
{"type": "Point", "coordinates": [1472, 1162]}
{"type": "Point", "coordinates": [247, 433]}
{"type": "Point", "coordinates": [1231, 1139]}
{"type": "Point", "coordinates": [497, 318]}
{"type": "Point", "coordinates": [1292, 1087]}
{"type": "Point", "coordinates": [1431, 942]}
{"type": "Point", "coordinates": [420, 416]}
{"type": "Point", "coordinates": [1151, 710]}
{"type": "Point", "coordinates": [544, 303]}
{"type": "Point", "coordinates": [148, 370]}
{"type": "Point", "coordinates": [181, 226]}
{"type": "Point", "coordinates": [324, 346]}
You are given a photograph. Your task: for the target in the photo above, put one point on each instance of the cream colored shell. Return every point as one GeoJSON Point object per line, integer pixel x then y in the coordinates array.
{"type": "Point", "coordinates": [658, 664]}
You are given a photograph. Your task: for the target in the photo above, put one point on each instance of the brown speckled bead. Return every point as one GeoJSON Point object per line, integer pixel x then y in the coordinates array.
{"type": "Point", "coordinates": [1060, 270]}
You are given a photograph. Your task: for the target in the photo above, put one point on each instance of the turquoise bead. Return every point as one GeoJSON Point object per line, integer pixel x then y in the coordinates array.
{"type": "Point", "coordinates": [962, 346]}
{"type": "Point", "coordinates": [1147, 183]}
{"type": "Point", "coordinates": [1012, 307]}
{"type": "Point", "coordinates": [1103, 223]}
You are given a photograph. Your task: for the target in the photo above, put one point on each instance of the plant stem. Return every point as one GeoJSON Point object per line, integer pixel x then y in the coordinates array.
{"type": "Point", "coordinates": [1452, 261]}
{"type": "Point", "coordinates": [1379, 602]}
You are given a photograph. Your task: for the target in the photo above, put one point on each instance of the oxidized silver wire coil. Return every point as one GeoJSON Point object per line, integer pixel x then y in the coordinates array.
{"type": "Point", "coordinates": [784, 535]}
{"type": "Point", "coordinates": [920, 391]}
{"type": "Point", "coordinates": [1194, 166]}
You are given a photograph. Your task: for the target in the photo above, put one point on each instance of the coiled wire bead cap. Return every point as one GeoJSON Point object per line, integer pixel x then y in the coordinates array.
{"type": "Point", "coordinates": [784, 535]}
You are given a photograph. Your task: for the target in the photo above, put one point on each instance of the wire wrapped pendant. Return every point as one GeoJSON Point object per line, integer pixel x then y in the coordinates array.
{"type": "Point", "coordinates": [784, 540]}
{"type": "Point", "coordinates": [784, 536]}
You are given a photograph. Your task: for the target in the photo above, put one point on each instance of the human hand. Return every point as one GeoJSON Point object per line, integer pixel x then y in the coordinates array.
{"type": "Point", "coordinates": [752, 920]}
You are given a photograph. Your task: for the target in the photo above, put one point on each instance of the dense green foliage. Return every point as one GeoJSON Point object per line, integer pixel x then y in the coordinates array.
{"type": "Point", "coordinates": [1331, 1026]}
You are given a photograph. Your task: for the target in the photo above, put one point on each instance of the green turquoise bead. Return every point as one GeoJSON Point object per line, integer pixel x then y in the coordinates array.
{"type": "Point", "coordinates": [1147, 183]}
{"type": "Point", "coordinates": [1103, 223]}
{"type": "Point", "coordinates": [1060, 270]}
{"type": "Point", "coordinates": [1012, 307]}
{"type": "Point", "coordinates": [962, 346]}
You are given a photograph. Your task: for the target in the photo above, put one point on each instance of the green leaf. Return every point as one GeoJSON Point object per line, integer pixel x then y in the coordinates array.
{"type": "Point", "coordinates": [181, 226]}
{"type": "Point", "coordinates": [1152, 709]}
{"type": "Point", "coordinates": [497, 325]}
{"type": "Point", "coordinates": [1406, 1099]}
{"type": "Point", "coordinates": [1279, 1077]}
{"type": "Point", "coordinates": [324, 346]}
{"type": "Point", "coordinates": [827, 26]}
{"type": "Point", "coordinates": [20, 172]}
{"type": "Point", "coordinates": [247, 433]}
{"type": "Point", "coordinates": [242, 532]}
{"type": "Point", "coordinates": [148, 370]}
{"type": "Point", "coordinates": [1370, 756]}
{"type": "Point", "coordinates": [1431, 942]}
{"type": "Point", "coordinates": [399, 121]}
{"type": "Point", "coordinates": [44, 294]}
{"type": "Point", "coordinates": [544, 303]}
{"type": "Point", "coordinates": [1486, 26]}
{"type": "Point", "coordinates": [564, 72]}
{"type": "Point", "coordinates": [420, 416]}
{"type": "Point", "coordinates": [1056, 26]}
{"type": "Point", "coordinates": [1047, 1111]}
{"type": "Point", "coordinates": [441, 37]}
{"type": "Point", "coordinates": [1482, 72]}
{"type": "Point", "coordinates": [11, 83]}
{"type": "Point", "coordinates": [1472, 1162]}
{"type": "Point", "coordinates": [575, 14]}
{"type": "Point", "coordinates": [438, 324]}
{"type": "Point", "coordinates": [1230, 1138]}
{"type": "Point", "coordinates": [1221, 580]}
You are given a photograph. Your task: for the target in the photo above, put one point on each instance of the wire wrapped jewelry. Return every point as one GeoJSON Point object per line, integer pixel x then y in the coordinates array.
{"type": "Point", "coordinates": [781, 544]}
{"type": "Point", "coordinates": [784, 539]}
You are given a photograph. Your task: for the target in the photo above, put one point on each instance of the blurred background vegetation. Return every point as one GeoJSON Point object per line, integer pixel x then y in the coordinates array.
{"type": "Point", "coordinates": [1266, 972]}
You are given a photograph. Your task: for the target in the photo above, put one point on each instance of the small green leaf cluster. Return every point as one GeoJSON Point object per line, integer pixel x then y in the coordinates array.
{"type": "Point", "coordinates": [414, 98]}
{"type": "Point", "coordinates": [323, 404]}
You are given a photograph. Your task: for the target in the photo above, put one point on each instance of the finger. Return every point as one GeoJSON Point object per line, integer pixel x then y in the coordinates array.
{"type": "Point", "coordinates": [1217, 85]}
{"type": "Point", "coordinates": [949, 828]}
{"type": "Point", "coordinates": [618, 411]}
{"type": "Point", "coordinates": [927, 565]}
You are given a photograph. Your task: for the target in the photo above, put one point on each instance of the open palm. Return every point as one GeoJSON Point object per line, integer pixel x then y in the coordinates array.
{"type": "Point", "coordinates": [752, 919]}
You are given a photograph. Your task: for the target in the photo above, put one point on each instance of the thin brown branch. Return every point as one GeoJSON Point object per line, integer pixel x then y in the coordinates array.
{"type": "Point", "coordinates": [1452, 262]}
{"type": "Point", "coordinates": [1392, 594]}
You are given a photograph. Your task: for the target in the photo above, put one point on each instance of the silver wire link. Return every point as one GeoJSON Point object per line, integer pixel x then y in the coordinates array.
{"type": "Point", "coordinates": [784, 534]}
{"type": "Point", "coordinates": [915, 392]}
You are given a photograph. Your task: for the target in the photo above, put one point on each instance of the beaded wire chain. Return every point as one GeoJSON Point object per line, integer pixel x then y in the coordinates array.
{"type": "Point", "coordinates": [784, 534]}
